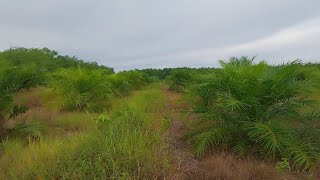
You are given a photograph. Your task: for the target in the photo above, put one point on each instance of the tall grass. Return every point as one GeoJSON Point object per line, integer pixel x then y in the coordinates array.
{"type": "Point", "coordinates": [126, 145]}
{"type": "Point", "coordinates": [75, 122]}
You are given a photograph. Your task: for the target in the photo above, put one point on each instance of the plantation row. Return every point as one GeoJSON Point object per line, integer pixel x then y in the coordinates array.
{"type": "Point", "coordinates": [271, 112]}
{"type": "Point", "coordinates": [80, 86]}
{"type": "Point", "coordinates": [61, 117]}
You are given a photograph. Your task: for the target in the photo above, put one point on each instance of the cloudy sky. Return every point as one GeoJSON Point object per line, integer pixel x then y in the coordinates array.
{"type": "Point", "coordinates": [128, 34]}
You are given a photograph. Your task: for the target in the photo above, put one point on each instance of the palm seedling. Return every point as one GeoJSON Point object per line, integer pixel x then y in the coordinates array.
{"type": "Point", "coordinates": [81, 89]}
{"type": "Point", "coordinates": [256, 108]}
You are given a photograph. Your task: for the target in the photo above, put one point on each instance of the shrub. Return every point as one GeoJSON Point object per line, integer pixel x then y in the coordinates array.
{"type": "Point", "coordinates": [179, 78]}
{"type": "Point", "coordinates": [283, 165]}
{"type": "Point", "coordinates": [18, 78]}
{"type": "Point", "coordinates": [255, 108]}
{"type": "Point", "coordinates": [81, 89]}
{"type": "Point", "coordinates": [31, 130]}
{"type": "Point", "coordinates": [12, 80]}
{"type": "Point", "coordinates": [124, 82]}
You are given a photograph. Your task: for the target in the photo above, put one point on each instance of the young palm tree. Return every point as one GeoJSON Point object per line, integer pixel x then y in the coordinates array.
{"type": "Point", "coordinates": [82, 89]}
{"type": "Point", "coordinates": [12, 80]}
{"type": "Point", "coordinates": [255, 108]}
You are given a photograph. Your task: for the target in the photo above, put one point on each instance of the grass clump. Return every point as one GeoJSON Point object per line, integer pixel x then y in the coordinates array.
{"type": "Point", "coordinates": [125, 145]}
{"type": "Point", "coordinates": [75, 121]}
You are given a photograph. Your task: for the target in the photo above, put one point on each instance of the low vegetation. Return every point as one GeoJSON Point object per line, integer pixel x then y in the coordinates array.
{"type": "Point", "coordinates": [256, 109]}
{"type": "Point", "coordinates": [124, 144]}
{"type": "Point", "coordinates": [64, 118]}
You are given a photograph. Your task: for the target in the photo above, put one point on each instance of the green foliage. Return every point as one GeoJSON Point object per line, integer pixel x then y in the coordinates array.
{"type": "Point", "coordinates": [73, 122]}
{"type": "Point", "coordinates": [12, 80]}
{"type": "Point", "coordinates": [124, 82]}
{"type": "Point", "coordinates": [23, 68]}
{"type": "Point", "coordinates": [5, 102]}
{"type": "Point", "coordinates": [17, 110]}
{"type": "Point", "coordinates": [46, 60]}
{"type": "Point", "coordinates": [33, 130]}
{"type": "Point", "coordinates": [93, 90]}
{"type": "Point", "coordinates": [126, 145]}
{"type": "Point", "coordinates": [15, 79]}
{"type": "Point", "coordinates": [166, 72]}
{"type": "Point", "coordinates": [81, 89]}
{"type": "Point", "coordinates": [179, 78]}
{"type": "Point", "coordinates": [283, 165]}
{"type": "Point", "coordinates": [253, 108]}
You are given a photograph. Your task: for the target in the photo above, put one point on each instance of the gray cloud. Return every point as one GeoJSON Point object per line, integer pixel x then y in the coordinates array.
{"type": "Point", "coordinates": [130, 34]}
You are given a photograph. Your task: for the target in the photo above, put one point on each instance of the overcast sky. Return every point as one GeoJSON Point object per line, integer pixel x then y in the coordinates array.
{"type": "Point", "coordinates": [128, 34]}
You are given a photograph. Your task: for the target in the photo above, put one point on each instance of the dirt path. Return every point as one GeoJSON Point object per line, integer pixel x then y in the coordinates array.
{"type": "Point", "coordinates": [186, 166]}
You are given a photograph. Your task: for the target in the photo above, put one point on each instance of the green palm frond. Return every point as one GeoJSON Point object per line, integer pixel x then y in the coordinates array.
{"type": "Point", "coordinates": [242, 146]}
{"type": "Point", "coordinates": [5, 101]}
{"type": "Point", "coordinates": [304, 156]}
{"type": "Point", "coordinates": [271, 136]}
{"type": "Point", "coordinates": [30, 129]}
{"type": "Point", "coordinates": [314, 115]}
{"type": "Point", "coordinates": [261, 103]}
{"type": "Point", "coordinates": [214, 136]}
{"type": "Point", "coordinates": [226, 101]}
{"type": "Point", "coordinates": [17, 110]}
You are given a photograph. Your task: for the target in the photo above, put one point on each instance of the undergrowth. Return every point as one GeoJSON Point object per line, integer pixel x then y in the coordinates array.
{"type": "Point", "coordinates": [127, 144]}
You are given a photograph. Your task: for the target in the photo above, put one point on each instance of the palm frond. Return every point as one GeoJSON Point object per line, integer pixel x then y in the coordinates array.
{"type": "Point", "coordinates": [30, 129]}
{"type": "Point", "coordinates": [214, 136]}
{"type": "Point", "coordinates": [304, 156]}
{"type": "Point", "coordinates": [5, 101]}
{"type": "Point", "coordinates": [17, 110]}
{"type": "Point", "coordinates": [270, 136]}
{"type": "Point", "coordinates": [242, 146]}
{"type": "Point", "coordinates": [226, 101]}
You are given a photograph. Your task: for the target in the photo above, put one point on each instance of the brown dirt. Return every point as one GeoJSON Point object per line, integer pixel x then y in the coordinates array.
{"type": "Point", "coordinates": [184, 163]}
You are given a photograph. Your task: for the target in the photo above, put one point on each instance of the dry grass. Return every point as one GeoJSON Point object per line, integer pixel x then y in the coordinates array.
{"type": "Point", "coordinates": [43, 107]}
{"type": "Point", "coordinates": [228, 166]}
{"type": "Point", "coordinates": [38, 98]}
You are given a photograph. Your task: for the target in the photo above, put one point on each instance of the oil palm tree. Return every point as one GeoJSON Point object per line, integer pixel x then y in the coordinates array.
{"type": "Point", "coordinates": [255, 108]}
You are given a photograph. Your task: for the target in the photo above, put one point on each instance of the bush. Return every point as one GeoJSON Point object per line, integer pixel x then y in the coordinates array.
{"type": "Point", "coordinates": [256, 109]}
{"type": "Point", "coordinates": [12, 80]}
{"type": "Point", "coordinates": [93, 90]}
{"type": "Point", "coordinates": [179, 78]}
{"type": "Point", "coordinates": [124, 82]}
{"type": "Point", "coordinates": [47, 60]}
{"type": "Point", "coordinates": [32, 130]}
{"type": "Point", "coordinates": [82, 90]}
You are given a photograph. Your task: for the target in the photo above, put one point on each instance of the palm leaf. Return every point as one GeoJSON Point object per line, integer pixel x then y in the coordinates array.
{"type": "Point", "coordinates": [30, 129]}
{"type": "Point", "coordinates": [304, 156]}
{"type": "Point", "coordinates": [218, 135]}
{"type": "Point", "coordinates": [270, 136]}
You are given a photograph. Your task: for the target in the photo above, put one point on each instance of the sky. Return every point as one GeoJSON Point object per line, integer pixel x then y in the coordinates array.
{"type": "Point", "coordinates": [128, 34]}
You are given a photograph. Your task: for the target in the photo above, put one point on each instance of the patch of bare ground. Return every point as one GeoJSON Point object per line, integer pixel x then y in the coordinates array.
{"type": "Point", "coordinates": [216, 165]}
{"type": "Point", "coordinates": [185, 166]}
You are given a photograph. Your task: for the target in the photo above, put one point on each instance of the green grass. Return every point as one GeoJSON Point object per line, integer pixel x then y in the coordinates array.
{"type": "Point", "coordinates": [126, 144]}
{"type": "Point", "coordinates": [76, 122]}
